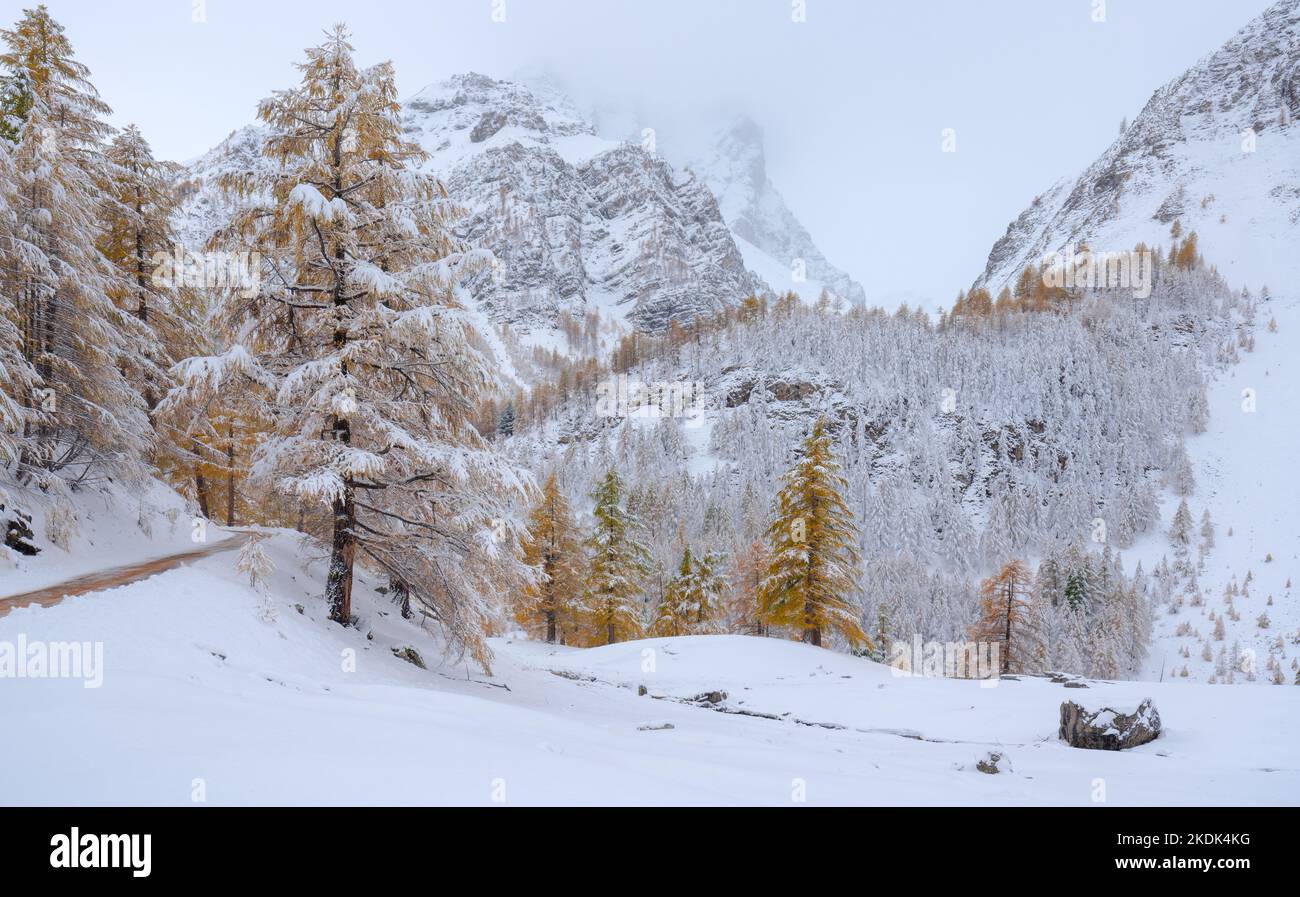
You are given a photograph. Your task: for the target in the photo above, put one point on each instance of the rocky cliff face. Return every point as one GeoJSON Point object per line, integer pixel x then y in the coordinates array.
{"type": "Point", "coordinates": [1217, 148]}
{"type": "Point", "coordinates": [577, 222]}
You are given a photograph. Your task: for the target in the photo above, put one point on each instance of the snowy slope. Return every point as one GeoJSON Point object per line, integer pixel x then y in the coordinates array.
{"type": "Point", "coordinates": [1244, 466]}
{"type": "Point", "coordinates": [206, 691]}
{"type": "Point", "coordinates": [103, 529]}
{"type": "Point", "coordinates": [1217, 148]}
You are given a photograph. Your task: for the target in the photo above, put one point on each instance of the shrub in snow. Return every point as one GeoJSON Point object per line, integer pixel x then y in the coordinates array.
{"type": "Point", "coordinates": [61, 525]}
{"type": "Point", "coordinates": [254, 563]}
{"type": "Point", "coordinates": [993, 763]}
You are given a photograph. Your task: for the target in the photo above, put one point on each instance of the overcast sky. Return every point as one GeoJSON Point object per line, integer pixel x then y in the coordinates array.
{"type": "Point", "coordinates": [853, 100]}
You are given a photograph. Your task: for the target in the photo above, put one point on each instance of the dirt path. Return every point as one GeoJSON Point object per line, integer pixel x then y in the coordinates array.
{"type": "Point", "coordinates": [116, 576]}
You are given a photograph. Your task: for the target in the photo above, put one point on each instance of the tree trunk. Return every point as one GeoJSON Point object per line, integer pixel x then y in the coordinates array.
{"type": "Point", "coordinates": [200, 482]}
{"type": "Point", "coordinates": [230, 479]}
{"type": "Point", "coordinates": [550, 626]}
{"type": "Point", "coordinates": [338, 587]}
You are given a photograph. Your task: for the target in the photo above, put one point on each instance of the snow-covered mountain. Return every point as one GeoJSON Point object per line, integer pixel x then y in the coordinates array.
{"type": "Point", "coordinates": [577, 222]}
{"type": "Point", "coordinates": [1217, 148]}
{"type": "Point", "coordinates": [768, 233]}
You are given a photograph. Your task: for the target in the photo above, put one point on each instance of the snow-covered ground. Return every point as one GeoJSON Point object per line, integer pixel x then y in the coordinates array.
{"type": "Point", "coordinates": [211, 690]}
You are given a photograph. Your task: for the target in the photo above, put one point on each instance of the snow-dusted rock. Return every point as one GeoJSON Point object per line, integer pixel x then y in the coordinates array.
{"type": "Point", "coordinates": [577, 222]}
{"type": "Point", "coordinates": [1108, 729]}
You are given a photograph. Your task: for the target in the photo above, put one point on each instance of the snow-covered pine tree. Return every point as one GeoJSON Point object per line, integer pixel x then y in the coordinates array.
{"type": "Point", "coordinates": [813, 573]}
{"type": "Point", "coordinates": [506, 424]}
{"type": "Point", "coordinates": [551, 608]}
{"type": "Point", "coordinates": [359, 357]}
{"type": "Point", "coordinates": [1207, 530]}
{"type": "Point", "coordinates": [618, 563]}
{"type": "Point", "coordinates": [692, 603]}
{"type": "Point", "coordinates": [1180, 529]}
{"type": "Point", "coordinates": [83, 420]}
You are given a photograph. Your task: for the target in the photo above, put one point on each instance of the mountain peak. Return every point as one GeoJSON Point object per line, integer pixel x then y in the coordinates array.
{"type": "Point", "coordinates": [1216, 147]}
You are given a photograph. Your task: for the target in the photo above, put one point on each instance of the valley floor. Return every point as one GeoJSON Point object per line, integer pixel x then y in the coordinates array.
{"type": "Point", "coordinates": [212, 691]}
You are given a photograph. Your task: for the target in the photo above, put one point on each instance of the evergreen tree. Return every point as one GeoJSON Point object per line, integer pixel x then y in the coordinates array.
{"type": "Point", "coordinates": [618, 563]}
{"type": "Point", "coordinates": [813, 571]}
{"type": "Point", "coordinates": [1207, 530]}
{"type": "Point", "coordinates": [1180, 529]}
{"type": "Point", "coordinates": [692, 603]}
{"type": "Point", "coordinates": [506, 425]}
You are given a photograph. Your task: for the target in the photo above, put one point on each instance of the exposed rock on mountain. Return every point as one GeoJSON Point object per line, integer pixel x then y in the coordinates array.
{"type": "Point", "coordinates": [577, 222]}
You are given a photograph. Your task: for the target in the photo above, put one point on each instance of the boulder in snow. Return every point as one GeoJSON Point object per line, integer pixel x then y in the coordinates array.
{"type": "Point", "coordinates": [1109, 729]}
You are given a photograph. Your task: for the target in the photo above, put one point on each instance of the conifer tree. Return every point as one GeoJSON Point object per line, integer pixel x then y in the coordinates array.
{"type": "Point", "coordinates": [551, 607]}
{"type": "Point", "coordinates": [506, 425]}
{"type": "Point", "coordinates": [358, 354]}
{"type": "Point", "coordinates": [135, 230]}
{"type": "Point", "coordinates": [1009, 614]}
{"type": "Point", "coordinates": [1180, 529]}
{"type": "Point", "coordinates": [749, 567]}
{"type": "Point", "coordinates": [813, 572]}
{"type": "Point", "coordinates": [692, 603]}
{"type": "Point", "coordinates": [83, 420]}
{"type": "Point", "coordinates": [18, 377]}
{"type": "Point", "coordinates": [617, 566]}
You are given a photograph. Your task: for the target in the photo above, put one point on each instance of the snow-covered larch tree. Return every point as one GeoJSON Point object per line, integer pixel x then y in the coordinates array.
{"type": "Point", "coordinates": [83, 420]}
{"type": "Point", "coordinates": [360, 359]}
